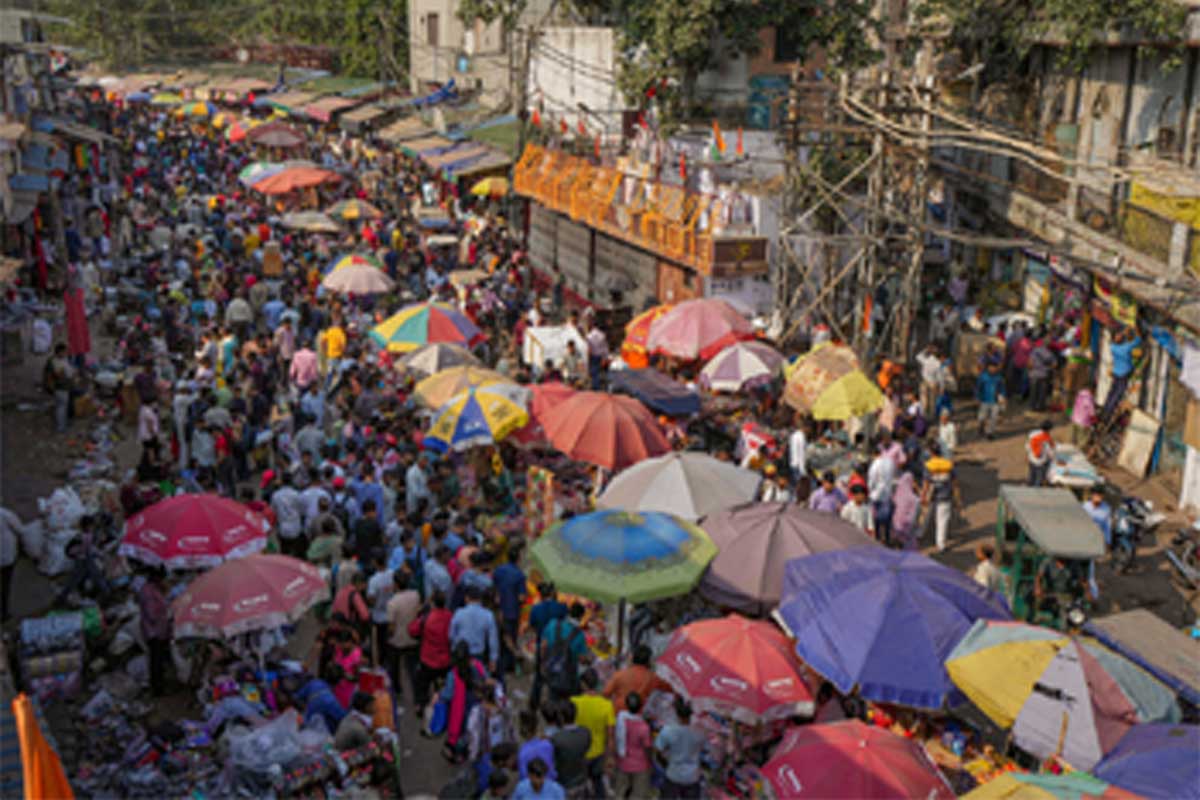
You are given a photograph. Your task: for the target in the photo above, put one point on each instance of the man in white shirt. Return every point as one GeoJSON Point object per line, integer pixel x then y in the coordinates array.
{"type": "Point", "coordinates": [858, 510]}
{"type": "Point", "coordinates": [416, 484]}
{"type": "Point", "coordinates": [798, 460]}
{"type": "Point", "coordinates": [380, 588]}
{"type": "Point", "coordinates": [881, 480]}
{"type": "Point", "coordinates": [932, 377]}
{"type": "Point", "coordinates": [289, 517]}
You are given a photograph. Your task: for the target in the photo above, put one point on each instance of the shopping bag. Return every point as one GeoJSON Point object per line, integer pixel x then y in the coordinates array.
{"type": "Point", "coordinates": [439, 718]}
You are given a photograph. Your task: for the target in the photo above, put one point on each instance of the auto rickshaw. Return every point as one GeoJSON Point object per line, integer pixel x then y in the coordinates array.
{"type": "Point", "coordinates": [1035, 528]}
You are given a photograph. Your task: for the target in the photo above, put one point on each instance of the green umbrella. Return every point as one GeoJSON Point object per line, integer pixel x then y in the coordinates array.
{"type": "Point", "coordinates": [616, 556]}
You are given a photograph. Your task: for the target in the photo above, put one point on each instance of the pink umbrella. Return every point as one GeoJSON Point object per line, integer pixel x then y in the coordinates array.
{"type": "Point", "coordinates": [193, 530]}
{"type": "Point", "coordinates": [852, 760]}
{"type": "Point", "coordinates": [698, 329]}
{"type": "Point", "coordinates": [252, 593]}
{"type": "Point", "coordinates": [736, 666]}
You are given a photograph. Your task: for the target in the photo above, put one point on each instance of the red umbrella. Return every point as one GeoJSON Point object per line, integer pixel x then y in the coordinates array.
{"type": "Point", "coordinates": [542, 398]}
{"type": "Point", "coordinates": [193, 530]}
{"type": "Point", "coordinates": [737, 667]}
{"type": "Point", "coordinates": [698, 329]}
{"type": "Point", "coordinates": [275, 134]}
{"type": "Point", "coordinates": [852, 760]}
{"type": "Point", "coordinates": [608, 430]}
{"type": "Point", "coordinates": [252, 593]}
{"type": "Point", "coordinates": [294, 178]}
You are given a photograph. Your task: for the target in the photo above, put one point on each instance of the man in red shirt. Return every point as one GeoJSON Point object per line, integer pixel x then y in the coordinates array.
{"type": "Point", "coordinates": [1039, 452]}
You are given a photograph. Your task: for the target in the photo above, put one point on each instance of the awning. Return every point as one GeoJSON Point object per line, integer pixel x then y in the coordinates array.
{"type": "Point", "coordinates": [66, 127]}
{"type": "Point", "coordinates": [363, 117]}
{"type": "Point", "coordinates": [291, 102]}
{"type": "Point", "coordinates": [416, 147]}
{"type": "Point", "coordinates": [404, 129]}
{"type": "Point", "coordinates": [457, 154]}
{"type": "Point", "coordinates": [326, 107]}
{"type": "Point", "coordinates": [489, 162]}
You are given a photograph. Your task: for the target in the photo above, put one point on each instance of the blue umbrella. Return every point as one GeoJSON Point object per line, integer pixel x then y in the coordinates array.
{"type": "Point", "coordinates": [882, 621]}
{"type": "Point", "coordinates": [1155, 761]}
{"type": "Point", "coordinates": [657, 391]}
{"type": "Point", "coordinates": [137, 97]}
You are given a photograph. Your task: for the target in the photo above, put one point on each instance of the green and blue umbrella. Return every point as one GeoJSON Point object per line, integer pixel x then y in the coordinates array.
{"type": "Point", "coordinates": [613, 556]}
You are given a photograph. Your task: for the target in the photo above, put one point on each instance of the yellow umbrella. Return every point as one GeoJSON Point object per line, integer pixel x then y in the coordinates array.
{"type": "Point", "coordinates": [494, 186]}
{"type": "Point", "coordinates": [827, 383]}
{"type": "Point", "coordinates": [436, 390]}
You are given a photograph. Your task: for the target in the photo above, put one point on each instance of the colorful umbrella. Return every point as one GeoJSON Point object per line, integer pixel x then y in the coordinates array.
{"type": "Point", "coordinates": [611, 431]}
{"type": "Point", "coordinates": [827, 383]}
{"type": "Point", "coordinates": [259, 170]}
{"type": "Point", "coordinates": [1067, 696]}
{"type": "Point", "coordinates": [275, 134]}
{"type": "Point", "coordinates": [736, 667]}
{"type": "Point", "coordinates": [637, 331]}
{"type": "Point", "coordinates": [248, 594]}
{"type": "Point", "coordinates": [358, 279]}
{"type": "Point", "coordinates": [165, 99]}
{"type": "Point", "coordinates": [433, 358]}
{"type": "Point", "coordinates": [612, 556]}
{"type": "Point", "coordinates": [436, 390]}
{"type": "Point", "coordinates": [426, 323]}
{"type": "Point", "coordinates": [310, 221]}
{"type": "Point", "coordinates": [200, 108]}
{"type": "Point", "coordinates": [756, 540]}
{"type": "Point", "coordinates": [741, 366]}
{"type": "Point", "coordinates": [855, 761]}
{"type": "Point", "coordinates": [688, 485]}
{"type": "Point", "coordinates": [354, 209]}
{"type": "Point", "coordinates": [494, 186]}
{"type": "Point", "coordinates": [353, 260]}
{"type": "Point", "coordinates": [479, 416]}
{"type": "Point", "coordinates": [698, 329]}
{"type": "Point", "coordinates": [1161, 762]}
{"type": "Point", "coordinates": [294, 178]}
{"type": "Point", "coordinates": [882, 621]}
{"type": "Point", "coordinates": [193, 530]}
{"type": "Point", "coordinates": [1030, 786]}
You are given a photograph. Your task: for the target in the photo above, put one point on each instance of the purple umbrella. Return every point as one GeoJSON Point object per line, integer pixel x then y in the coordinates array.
{"type": "Point", "coordinates": [740, 366]}
{"type": "Point", "coordinates": [883, 621]}
{"type": "Point", "coordinates": [1155, 761]}
{"type": "Point", "coordinates": [756, 540]}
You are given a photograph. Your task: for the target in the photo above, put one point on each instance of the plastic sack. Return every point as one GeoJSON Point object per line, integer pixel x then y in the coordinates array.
{"type": "Point", "coordinates": [62, 509]}
{"type": "Point", "coordinates": [42, 338]}
{"type": "Point", "coordinates": [33, 536]}
{"type": "Point", "coordinates": [274, 744]}
{"type": "Point", "coordinates": [54, 560]}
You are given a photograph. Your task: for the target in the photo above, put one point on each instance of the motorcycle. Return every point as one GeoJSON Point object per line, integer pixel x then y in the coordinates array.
{"type": "Point", "coordinates": [1184, 555]}
{"type": "Point", "coordinates": [1133, 519]}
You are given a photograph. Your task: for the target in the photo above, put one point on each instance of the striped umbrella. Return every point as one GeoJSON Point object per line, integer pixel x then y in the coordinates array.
{"type": "Point", "coordinates": [479, 416]}
{"type": "Point", "coordinates": [353, 260]}
{"type": "Point", "coordinates": [741, 366]}
{"type": "Point", "coordinates": [425, 323]}
{"type": "Point", "coordinates": [436, 390]}
{"type": "Point", "coordinates": [354, 209]}
{"type": "Point", "coordinates": [1066, 696]}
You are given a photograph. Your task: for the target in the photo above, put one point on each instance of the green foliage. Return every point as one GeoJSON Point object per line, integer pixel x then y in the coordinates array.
{"type": "Point", "coordinates": [1000, 33]}
{"type": "Point", "coordinates": [124, 33]}
{"type": "Point", "coordinates": [507, 11]}
{"type": "Point", "coordinates": [676, 41]}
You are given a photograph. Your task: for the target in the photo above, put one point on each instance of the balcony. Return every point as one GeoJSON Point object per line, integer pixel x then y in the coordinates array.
{"type": "Point", "coordinates": [668, 221]}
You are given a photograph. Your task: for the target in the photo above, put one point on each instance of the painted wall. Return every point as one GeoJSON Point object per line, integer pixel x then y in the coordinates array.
{"type": "Point", "coordinates": [573, 65]}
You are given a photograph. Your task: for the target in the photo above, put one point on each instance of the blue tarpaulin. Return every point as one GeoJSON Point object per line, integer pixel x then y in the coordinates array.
{"type": "Point", "coordinates": [657, 391]}
{"type": "Point", "coordinates": [447, 92]}
{"type": "Point", "coordinates": [883, 621]}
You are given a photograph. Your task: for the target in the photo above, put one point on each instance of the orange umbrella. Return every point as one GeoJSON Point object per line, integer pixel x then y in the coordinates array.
{"type": "Point", "coordinates": [637, 331]}
{"type": "Point", "coordinates": [41, 767]}
{"type": "Point", "coordinates": [608, 430]}
{"type": "Point", "coordinates": [294, 178]}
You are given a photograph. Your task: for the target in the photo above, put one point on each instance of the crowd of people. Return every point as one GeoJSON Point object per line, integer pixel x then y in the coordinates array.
{"type": "Point", "coordinates": [251, 381]}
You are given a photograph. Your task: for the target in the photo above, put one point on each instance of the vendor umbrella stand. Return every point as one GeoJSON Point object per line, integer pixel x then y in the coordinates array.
{"type": "Point", "coordinates": [193, 530]}
{"type": "Point", "coordinates": [621, 556]}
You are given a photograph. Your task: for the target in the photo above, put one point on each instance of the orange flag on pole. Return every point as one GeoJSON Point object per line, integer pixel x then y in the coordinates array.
{"type": "Point", "coordinates": [42, 769]}
{"type": "Point", "coordinates": [718, 139]}
{"type": "Point", "coordinates": [740, 151]}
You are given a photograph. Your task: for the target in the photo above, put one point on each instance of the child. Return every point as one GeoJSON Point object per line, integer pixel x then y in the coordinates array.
{"type": "Point", "coordinates": [858, 510]}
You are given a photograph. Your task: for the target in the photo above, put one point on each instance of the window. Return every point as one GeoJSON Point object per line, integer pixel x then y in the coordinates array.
{"type": "Point", "coordinates": [431, 29]}
{"type": "Point", "coordinates": [787, 45]}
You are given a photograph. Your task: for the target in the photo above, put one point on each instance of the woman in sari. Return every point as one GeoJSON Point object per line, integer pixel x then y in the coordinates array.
{"type": "Point", "coordinates": [464, 683]}
{"type": "Point", "coordinates": [906, 506]}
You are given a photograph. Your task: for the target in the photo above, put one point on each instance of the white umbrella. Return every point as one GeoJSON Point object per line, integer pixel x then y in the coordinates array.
{"type": "Point", "coordinates": [357, 279]}
{"type": "Point", "coordinates": [688, 485]}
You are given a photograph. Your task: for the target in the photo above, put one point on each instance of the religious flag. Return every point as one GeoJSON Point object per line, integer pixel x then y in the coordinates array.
{"type": "Point", "coordinates": [740, 151]}
{"type": "Point", "coordinates": [582, 127]}
{"type": "Point", "coordinates": [718, 139]}
{"type": "Point", "coordinates": [641, 120]}
{"type": "Point", "coordinates": [562, 126]}
{"type": "Point", "coordinates": [597, 142]}
{"type": "Point", "coordinates": [536, 119]}
{"type": "Point", "coordinates": [683, 167]}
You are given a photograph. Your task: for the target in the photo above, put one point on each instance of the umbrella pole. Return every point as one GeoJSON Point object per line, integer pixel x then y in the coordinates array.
{"type": "Point", "coordinates": [620, 629]}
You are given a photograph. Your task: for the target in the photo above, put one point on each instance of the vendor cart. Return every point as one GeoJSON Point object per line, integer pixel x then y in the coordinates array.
{"type": "Point", "coordinates": [1034, 525]}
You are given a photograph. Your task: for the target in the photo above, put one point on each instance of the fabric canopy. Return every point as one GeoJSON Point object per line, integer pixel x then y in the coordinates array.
{"type": "Point", "coordinates": [657, 391]}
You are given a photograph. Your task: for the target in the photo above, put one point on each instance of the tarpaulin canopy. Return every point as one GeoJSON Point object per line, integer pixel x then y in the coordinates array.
{"type": "Point", "coordinates": [418, 147]}
{"type": "Point", "coordinates": [487, 162]}
{"type": "Point", "coordinates": [1054, 520]}
{"type": "Point", "coordinates": [660, 393]}
{"type": "Point", "coordinates": [446, 92]}
{"type": "Point", "coordinates": [461, 152]}
{"type": "Point", "coordinates": [324, 109]}
{"type": "Point", "coordinates": [403, 129]}
{"type": "Point", "coordinates": [291, 102]}
{"type": "Point", "coordinates": [1161, 649]}
{"type": "Point", "coordinates": [362, 117]}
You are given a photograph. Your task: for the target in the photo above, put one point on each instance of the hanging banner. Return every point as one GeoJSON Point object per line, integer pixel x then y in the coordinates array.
{"type": "Point", "coordinates": [539, 501]}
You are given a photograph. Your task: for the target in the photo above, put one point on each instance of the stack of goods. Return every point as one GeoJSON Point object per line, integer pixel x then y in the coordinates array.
{"type": "Point", "coordinates": [52, 655]}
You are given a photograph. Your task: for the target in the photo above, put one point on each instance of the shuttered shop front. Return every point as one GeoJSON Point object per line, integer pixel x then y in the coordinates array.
{"type": "Point", "coordinates": [575, 255]}
{"type": "Point", "coordinates": [542, 238]}
{"type": "Point", "coordinates": [626, 269]}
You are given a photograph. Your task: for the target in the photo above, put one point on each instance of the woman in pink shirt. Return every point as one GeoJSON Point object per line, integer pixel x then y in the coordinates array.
{"type": "Point", "coordinates": [634, 744]}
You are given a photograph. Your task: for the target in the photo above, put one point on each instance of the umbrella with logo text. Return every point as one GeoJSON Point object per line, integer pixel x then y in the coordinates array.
{"type": "Point", "coordinates": [852, 760]}
{"type": "Point", "coordinates": [737, 667]}
{"type": "Point", "coordinates": [193, 530]}
{"type": "Point", "coordinates": [248, 594]}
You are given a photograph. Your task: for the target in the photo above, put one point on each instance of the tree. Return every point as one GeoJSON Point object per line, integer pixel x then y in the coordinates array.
{"type": "Point", "coordinates": [668, 45]}
{"type": "Point", "coordinates": [1000, 33]}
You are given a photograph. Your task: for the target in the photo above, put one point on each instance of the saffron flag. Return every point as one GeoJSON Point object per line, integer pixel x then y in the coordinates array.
{"type": "Point", "coordinates": [562, 126]}
{"type": "Point", "coordinates": [740, 150]}
{"type": "Point", "coordinates": [582, 128]}
{"type": "Point", "coordinates": [718, 139]}
{"type": "Point", "coordinates": [683, 167]}
{"type": "Point", "coordinates": [536, 119]}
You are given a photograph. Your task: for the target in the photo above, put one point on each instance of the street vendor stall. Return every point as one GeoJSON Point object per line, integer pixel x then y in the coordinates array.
{"type": "Point", "coordinates": [549, 343]}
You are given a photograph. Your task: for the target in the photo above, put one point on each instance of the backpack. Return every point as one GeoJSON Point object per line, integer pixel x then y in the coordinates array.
{"type": "Point", "coordinates": [561, 667]}
{"type": "Point", "coordinates": [416, 568]}
{"type": "Point", "coordinates": [339, 510]}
